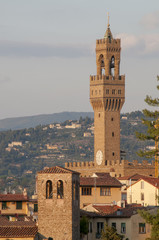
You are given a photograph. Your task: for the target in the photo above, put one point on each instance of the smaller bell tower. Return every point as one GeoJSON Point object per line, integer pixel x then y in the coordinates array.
{"type": "Point", "coordinates": [107, 96]}
{"type": "Point", "coordinates": [58, 204]}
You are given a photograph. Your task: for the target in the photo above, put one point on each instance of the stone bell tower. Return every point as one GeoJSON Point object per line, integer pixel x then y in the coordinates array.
{"type": "Point", "coordinates": [107, 96]}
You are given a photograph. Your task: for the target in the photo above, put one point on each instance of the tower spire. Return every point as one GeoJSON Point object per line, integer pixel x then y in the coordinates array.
{"type": "Point", "coordinates": [108, 25]}
{"type": "Point", "coordinates": [108, 33]}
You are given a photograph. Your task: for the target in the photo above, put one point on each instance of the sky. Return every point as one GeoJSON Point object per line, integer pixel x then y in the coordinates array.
{"type": "Point", "coordinates": [47, 52]}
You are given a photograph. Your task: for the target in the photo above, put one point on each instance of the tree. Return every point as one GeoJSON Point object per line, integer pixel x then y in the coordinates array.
{"type": "Point", "coordinates": [153, 220]}
{"type": "Point", "coordinates": [151, 121]}
{"type": "Point", "coordinates": [84, 226]}
{"type": "Point", "coordinates": [110, 233]}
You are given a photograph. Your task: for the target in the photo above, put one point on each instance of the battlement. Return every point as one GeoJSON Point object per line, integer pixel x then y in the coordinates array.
{"type": "Point", "coordinates": [115, 42]}
{"type": "Point", "coordinates": [136, 163]}
{"type": "Point", "coordinates": [102, 79]}
{"type": "Point", "coordinates": [79, 164]}
{"type": "Point", "coordinates": [122, 163]}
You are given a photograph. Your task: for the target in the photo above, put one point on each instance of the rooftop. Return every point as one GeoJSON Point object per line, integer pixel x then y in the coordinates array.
{"type": "Point", "coordinates": [57, 169]}
{"type": "Point", "coordinates": [9, 197]}
{"type": "Point", "coordinates": [102, 179]}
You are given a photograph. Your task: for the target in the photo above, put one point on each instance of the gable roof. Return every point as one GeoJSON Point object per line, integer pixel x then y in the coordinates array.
{"type": "Point", "coordinates": [153, 181]}
{"type": "Point", "coordinates": [9, 197]}
{"type": "Point", "coordinates": [102, 179]}
{"type": "Point", "coordinates": [132, 177]}
{"type": "Point", "coordinates": [57, 169]}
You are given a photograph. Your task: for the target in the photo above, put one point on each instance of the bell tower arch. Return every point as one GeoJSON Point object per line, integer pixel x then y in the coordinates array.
{"type": "Point", "coordinates": [107, 96]}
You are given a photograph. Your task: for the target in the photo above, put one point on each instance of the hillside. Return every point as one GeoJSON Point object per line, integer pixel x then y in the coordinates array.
{"type": "Point", "coordinates": [24, 152]}
{"type": "Point", "coordinates": [43, 119]}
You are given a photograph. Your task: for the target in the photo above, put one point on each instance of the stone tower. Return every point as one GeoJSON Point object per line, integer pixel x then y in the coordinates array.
{"type": "Point", "coordinates": [58, 204]}
{"type": "Point", "coordinates": [107, 96]}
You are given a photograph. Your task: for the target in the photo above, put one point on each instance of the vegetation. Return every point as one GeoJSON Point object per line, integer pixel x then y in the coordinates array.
{"type": "Point", "coordinates": [110, 233]}
{"type": "Point", "coordinates": [153, 220]}
{"type": "Point", "coordinates": [84, 226]}
{"type": "Point", "coordinates": [50, 145]}
{"type": "Point", "coordinates": [151, 121]}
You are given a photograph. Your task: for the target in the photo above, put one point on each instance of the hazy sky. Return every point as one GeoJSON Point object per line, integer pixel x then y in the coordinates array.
{"type": "Point", "coordinates": [47, 52]}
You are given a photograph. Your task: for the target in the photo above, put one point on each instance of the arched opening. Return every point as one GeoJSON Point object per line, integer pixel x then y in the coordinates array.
{"type": "Point", "coordinates": [49, 192]}
{"type": "Point", "coordinates": [60, 194]}
{"type": "Point", "coordinates": [106, 162]}
{"type": "Point", "coordinates": [112, 65]}
{"type": "Point", "coordinates": [102, 65]}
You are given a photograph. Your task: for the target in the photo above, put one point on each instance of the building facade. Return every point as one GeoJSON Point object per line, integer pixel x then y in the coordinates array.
{"type": "Point", "coordinates": [58, 204]}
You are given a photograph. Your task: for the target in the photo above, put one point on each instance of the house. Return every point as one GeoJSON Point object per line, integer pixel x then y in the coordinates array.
{"type": "Point", "coordinates": [126, 182]}
{"type": "Point", "coordinates": [99, 188]}
{"type": "Point", "coordinates": [18, 228]}
{"type": "Point", "coordinates": [14, 204]}
{"type": "Point", "coordinates": [126, 221]}
{"type": "Point", "coordinates": [144, 191]}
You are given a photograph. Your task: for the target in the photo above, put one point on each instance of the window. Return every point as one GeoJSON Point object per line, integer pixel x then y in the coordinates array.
{"type": "Point", "coordinates": [90, 227]}
{"type": "Point", "coordinates": [35, 207]}
{"type": "Point", "coordinates": [92, 92]}
{"type": "Point", "coordinates": [100, 226]}
{"type": "Point", "coordinates": [112, 119]}
{"type": "Point", "coordinates": [114, 225]}
{"type": "Point", "coordinates": [142, 184]}
{"type": "Point", "coordinates": [105, 191]}
{"type": "Point", "coordinates": [86, 191]}
{"type": "Point", "coordinates": [119, 91]}
{"type": "Point", "coordinates": [107, 91]}
{"type": "Point", "coordinates": [99, 92]}
{"type": "Point", "coordinates": [19, 205]}
{"type": "Point", "coordinates": [4, 205]}
{"type": "Point", "coordinates": [113, 153]}
{"type": "Point", "coordinates": [123, 227]}
{"type": "Point", "coordinates": [112, 134]}
{"type": "Point", "coordinates": [95, 92]}
{"type": "Point", "coordinates": [60, 189]}
{"type": "Point", "coordinates": [49, 190]}
{"type": "Point", "coordinates": [142, 196]}
{"type": "Point", "coordinates": [113, 91]}
{"type": "Point", "coordinates": [142, 228]}
{"type": "Point", "coordinates": [124, 196]}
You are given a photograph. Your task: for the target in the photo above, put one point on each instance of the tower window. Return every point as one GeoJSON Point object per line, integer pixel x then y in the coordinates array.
{"type": "Point", "coordinates": [112, 134]}
{"type": "Point", "coordinates": [113, 91]}
{"type": "Point", "coordinates": [60, 189]}
{"type": "Point", "coordinates": [92, 92]}
{"type": "Point", "coordinates": [119, 91]}
{"type": "Point", "coordinates": [107, 91]}
{"type": "Point", "coordinates": [113, 153]}
{"type": "Point", "coordinates": [99, 115]}
{"type": "Point", "coordinates": [112, 119]}
{"type": "Point", "coordinates": [49, 193]}
{"type": "Point", "coordinates": [95, 92]}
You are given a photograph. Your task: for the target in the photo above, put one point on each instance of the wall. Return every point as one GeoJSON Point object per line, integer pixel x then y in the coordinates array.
{"type": "Point", "coordinates": [11, 208]}
{"type": "Point", "coordinates": [149, 191]}
{"type": "Point", "coordinates": [96, 198]}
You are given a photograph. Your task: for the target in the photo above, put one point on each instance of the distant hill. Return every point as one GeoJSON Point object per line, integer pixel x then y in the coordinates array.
{"type": "Point", "coordinates": [43, 119]}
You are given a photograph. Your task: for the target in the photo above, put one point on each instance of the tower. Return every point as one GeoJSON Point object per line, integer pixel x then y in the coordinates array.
{"type": "Point", "coordinates": [58, 204]}
{"type": "Point", "coordinates": [107, 96]}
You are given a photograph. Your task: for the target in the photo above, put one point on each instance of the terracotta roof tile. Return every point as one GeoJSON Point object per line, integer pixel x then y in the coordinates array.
{"type": "Point", "coordinates": [102, 179]}
{"type": "Point", "coordinates": [13, 197]}
{"type": "Point", "coordinates": [107, 209]}
{"type": "Point", "coordinates": [57, 169]}
{"type": "Point", "coordinates": [132, 177]}
{"type": "Point", "coordinates": [17, 228]}
{"type": "Point", "coordinates": [151, 180]}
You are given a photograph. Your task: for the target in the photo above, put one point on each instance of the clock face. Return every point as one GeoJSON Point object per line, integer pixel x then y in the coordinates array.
{"type": "Point", "coordinates": [99, 157]}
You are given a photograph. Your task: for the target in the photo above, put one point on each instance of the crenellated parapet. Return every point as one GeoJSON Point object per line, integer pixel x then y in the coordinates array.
{"type": "Point", "coordinates": [103, 79]}
{"type": "Point", "coordinates": [115, 44]}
